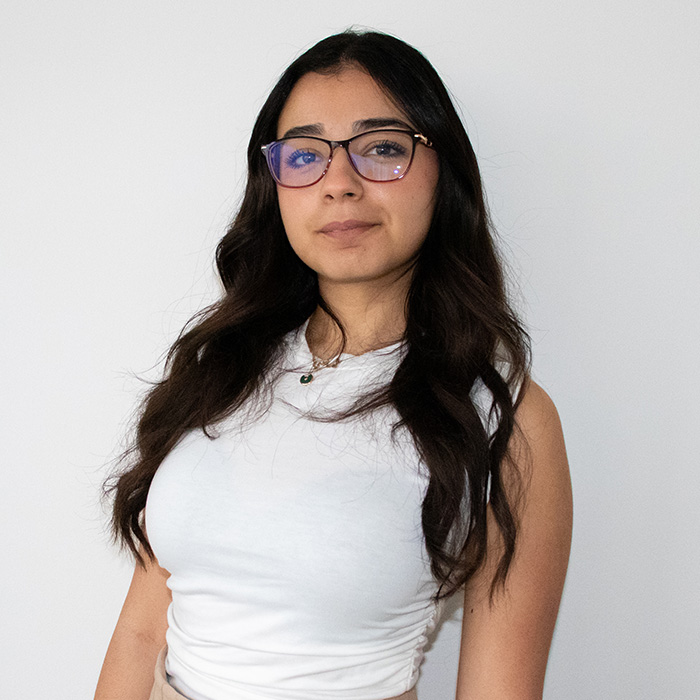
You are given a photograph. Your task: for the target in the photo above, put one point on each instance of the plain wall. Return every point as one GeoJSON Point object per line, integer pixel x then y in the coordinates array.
{"type": "Point", "coordinates": [123, 129]}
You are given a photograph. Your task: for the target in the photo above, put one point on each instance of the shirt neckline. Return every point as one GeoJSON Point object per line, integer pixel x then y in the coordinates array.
{"type": "Point", "coordinates": [346, 359]}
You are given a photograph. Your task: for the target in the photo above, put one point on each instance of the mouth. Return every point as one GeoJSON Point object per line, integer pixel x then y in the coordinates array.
{"type": "Point", "coordinates": [341, 229]}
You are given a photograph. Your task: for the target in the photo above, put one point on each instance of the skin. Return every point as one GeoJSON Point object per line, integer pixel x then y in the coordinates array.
{"type": "Point", "coordinates": [364, 276]}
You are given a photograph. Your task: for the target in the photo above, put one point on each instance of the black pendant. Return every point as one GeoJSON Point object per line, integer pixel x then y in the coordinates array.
{"type": "Point", "coordinates": [306, 378]}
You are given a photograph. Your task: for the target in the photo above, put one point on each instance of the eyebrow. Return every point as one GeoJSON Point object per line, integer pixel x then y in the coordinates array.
{"type": "Point", "coordinates": [357, 127]}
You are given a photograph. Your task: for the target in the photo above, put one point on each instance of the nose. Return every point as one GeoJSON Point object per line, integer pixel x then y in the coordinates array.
{"type": "Point", "coordinates": [340, 179]}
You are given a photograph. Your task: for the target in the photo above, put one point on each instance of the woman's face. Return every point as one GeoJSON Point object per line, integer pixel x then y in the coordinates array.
{"type": "Point", "coordinates": [384, 223]}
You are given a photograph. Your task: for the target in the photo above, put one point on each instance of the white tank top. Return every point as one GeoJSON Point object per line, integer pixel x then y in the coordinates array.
{"type": "Point", "coordinates": [295, 548]}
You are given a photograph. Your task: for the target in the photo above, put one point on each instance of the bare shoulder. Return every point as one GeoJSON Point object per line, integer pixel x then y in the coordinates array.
{"type": "Point", "coordinates": [537, 412]}
{"type": "Point", "coordinates": [538, 444]}
{"type": "Point", "coordinates": [539, 451]}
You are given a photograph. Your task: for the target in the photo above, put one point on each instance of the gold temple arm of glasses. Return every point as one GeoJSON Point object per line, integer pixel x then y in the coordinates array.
{"type": "Point", "coordinates": [423, 140]}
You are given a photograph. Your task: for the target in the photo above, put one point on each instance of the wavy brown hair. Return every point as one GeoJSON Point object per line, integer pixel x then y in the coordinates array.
{"type": "Point", "coordinates": [459, 323]}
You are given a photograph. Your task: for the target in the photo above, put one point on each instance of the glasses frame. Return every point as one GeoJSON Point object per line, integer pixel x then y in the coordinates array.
{"type": "Point", "coordinates": [417, 138]}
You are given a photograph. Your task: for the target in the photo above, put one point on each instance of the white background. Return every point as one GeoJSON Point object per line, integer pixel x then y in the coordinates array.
{"type": "Point", "coordinates": [122, 138]}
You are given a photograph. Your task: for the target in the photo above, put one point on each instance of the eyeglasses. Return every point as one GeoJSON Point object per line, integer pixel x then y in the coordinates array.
{"type": "Point", "coordinates": [378, 156]}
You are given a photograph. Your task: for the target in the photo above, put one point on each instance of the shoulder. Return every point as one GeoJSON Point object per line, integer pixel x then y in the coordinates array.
{"type": "Point", "coordinates": [536, 415]}
{"type": "Point", "coordinates": [539, 451]}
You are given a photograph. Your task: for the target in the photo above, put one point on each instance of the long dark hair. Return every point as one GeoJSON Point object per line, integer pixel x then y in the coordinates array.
{"type": "Point", "coordinates": [459, 324]}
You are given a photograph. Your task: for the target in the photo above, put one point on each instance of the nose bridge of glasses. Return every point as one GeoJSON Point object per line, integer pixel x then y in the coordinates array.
{"type": "Point", "coordinates": [345, 146]}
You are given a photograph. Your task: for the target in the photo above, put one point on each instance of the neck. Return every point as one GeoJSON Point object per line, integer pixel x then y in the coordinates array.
{"type": "Point", "coordinates": [372, 316]}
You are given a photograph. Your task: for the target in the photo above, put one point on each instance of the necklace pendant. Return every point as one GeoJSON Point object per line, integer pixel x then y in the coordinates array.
{"type": "Point", "coordinates": [306, 378]}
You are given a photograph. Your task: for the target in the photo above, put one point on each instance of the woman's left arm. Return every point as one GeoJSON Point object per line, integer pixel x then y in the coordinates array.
{"type": "Point", "coordinates": [505, 642]}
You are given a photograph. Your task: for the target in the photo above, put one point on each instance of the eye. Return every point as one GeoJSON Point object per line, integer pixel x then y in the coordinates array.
{"type": "Point", "coordinates": [384, 149]}
{"type": "Point", "coordinates": [301, 158]}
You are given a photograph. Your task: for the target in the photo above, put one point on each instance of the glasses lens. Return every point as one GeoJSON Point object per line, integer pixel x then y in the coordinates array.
{"type": "Point", "coordinates": [382, 155]}
{"type": "Point", "coordinates": [298, 162]}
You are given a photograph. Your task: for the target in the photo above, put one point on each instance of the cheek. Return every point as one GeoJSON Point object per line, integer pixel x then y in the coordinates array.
{"type": "Point", "coordinates": [430, 180]}
{"type": "Point", "coordinates": [291, 209]}
{"type": "Point", "coordinates": [419, 206]}
{"type": "Point", "coordinates": [421, 196]}
{"type": "Point", "coordinates": [285, 206]}
{"type": "Point", "coordinates": [295, 218]}
{"type": "Point", "coordinates": [418, 214]}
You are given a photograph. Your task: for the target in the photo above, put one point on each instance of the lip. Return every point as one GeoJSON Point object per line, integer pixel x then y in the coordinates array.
{"type": "Point", "coordinates": [339, 228]}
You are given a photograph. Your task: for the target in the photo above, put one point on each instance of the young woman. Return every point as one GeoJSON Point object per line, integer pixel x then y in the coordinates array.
{"type": "Point", "coordinates": [350, 434]}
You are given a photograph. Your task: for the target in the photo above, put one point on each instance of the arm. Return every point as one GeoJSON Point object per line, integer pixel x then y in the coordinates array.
{"type": "Point", "coordinates": [505, 645]}
{"type": "Point", "coordinates": [127, 672]}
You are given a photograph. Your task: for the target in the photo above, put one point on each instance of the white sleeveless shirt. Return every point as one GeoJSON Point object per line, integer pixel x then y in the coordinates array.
{"type": "Point", "coordinates": [295, 547]}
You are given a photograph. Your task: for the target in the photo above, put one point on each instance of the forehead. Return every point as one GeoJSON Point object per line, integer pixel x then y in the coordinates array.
{"type": "Point", "coordinates": [335, 102]}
